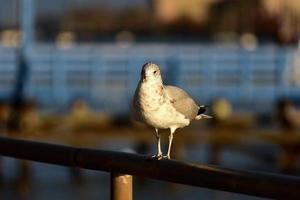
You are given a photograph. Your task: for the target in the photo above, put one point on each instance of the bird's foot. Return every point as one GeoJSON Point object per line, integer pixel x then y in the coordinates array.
{"type": "Point", "coordinates": [158, 156]}
{"type": "Point", "coordinates": [167, 157]}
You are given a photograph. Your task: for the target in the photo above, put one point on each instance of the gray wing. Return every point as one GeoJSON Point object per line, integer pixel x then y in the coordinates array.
{"type": "Point", "coordinates": [182, 101]}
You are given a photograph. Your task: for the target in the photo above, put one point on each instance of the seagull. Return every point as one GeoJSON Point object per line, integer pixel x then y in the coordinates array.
{"type": "Point", "coordinates": [163, 106]}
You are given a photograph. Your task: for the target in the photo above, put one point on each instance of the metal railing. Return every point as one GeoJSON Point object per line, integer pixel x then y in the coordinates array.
{"type": "Point", "coordinates": [119, 164]}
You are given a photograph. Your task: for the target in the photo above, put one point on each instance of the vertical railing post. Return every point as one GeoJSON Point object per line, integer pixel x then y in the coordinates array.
{"type": "Point", "coordinates": [120, 187]}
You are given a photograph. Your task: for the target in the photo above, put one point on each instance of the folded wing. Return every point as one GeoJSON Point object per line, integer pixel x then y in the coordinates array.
{"type": "Point", "coordinates": [182, 102]}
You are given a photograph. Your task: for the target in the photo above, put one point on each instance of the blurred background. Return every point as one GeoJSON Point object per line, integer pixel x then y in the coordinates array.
{"type": "Point", "coordinates": [69, 68]}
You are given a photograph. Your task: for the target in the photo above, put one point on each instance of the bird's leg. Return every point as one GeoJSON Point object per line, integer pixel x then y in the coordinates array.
{"type": "Point", "coordinates": [172, 131]}
{"type": "Point", "coordinates": [159, 152]}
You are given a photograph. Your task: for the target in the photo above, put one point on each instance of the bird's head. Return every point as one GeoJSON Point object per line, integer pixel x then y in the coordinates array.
{"type": "Point", "coordinates": [150, 72]}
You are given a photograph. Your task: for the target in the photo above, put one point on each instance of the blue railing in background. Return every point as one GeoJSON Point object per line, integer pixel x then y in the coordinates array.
{"type": "Point", "coordinates": [106, 75]}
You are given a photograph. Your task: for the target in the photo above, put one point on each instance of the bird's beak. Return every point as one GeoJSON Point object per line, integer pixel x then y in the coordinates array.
{"type": "Point", "coordinates": [144, 77]}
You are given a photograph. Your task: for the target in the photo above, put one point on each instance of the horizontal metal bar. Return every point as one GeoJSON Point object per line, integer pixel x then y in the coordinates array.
{"type": "Point", "coordinates": [245, 182]}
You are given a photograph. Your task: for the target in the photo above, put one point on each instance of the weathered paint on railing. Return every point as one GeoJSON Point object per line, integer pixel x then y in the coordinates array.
{"type": "Point", "coordinates": [121, 186]}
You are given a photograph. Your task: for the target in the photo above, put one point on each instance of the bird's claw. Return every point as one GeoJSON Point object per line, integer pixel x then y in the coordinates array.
{"type": "Point", "coordinates": [158, 156]}
{"type": "Point", "coordinates": [167, 157]}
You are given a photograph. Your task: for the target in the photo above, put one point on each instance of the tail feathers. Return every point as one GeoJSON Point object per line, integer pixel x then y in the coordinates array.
{"type": "Point", "coordinates": [201, 111]}
{"type": "Point", "coordinates": [203, 116]}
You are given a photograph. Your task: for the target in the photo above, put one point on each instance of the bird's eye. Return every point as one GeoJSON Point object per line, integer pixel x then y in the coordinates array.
{"type": "Point", "coordinates": [154, 72]}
